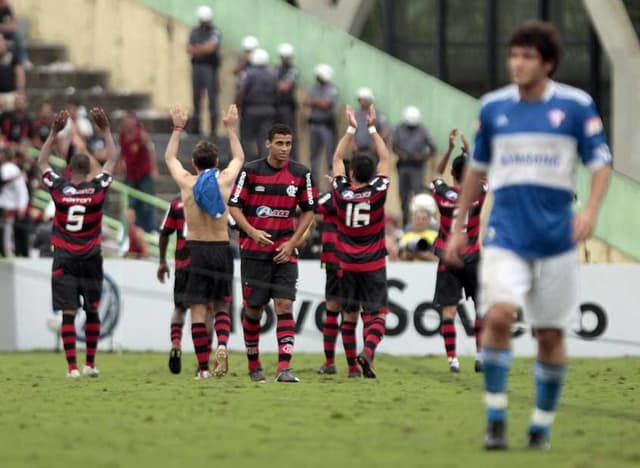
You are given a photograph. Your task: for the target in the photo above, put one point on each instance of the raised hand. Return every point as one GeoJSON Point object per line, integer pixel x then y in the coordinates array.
{"type": "Point", "coordinates": [371, 116]}
{"type": "Point", "coordinates": [100, 118]}
{"type": "Point", "coordinates": [179, 116]}
{"type": "Point", "coordinates": [351, 117]}
{"type": "Point", "coordinates": [452, 138]}
{"type": "Point", "coordinates": [230, 118]}
{"type": "Point", "coordinates": [465, 143]}
{"type": "Point", "coordinates": [60, 121]}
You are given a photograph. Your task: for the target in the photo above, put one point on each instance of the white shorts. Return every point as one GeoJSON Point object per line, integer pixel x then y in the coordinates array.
{"type": "Point", "coordinates": [545, 289]}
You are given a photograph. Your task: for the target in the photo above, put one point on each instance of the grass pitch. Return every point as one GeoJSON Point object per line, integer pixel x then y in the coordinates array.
{"type": "Point", "coordinates": [415, 414]}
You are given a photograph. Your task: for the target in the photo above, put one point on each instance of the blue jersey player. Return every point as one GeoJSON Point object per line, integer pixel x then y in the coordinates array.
{"type": "Point", "coordinates": [531, 135]}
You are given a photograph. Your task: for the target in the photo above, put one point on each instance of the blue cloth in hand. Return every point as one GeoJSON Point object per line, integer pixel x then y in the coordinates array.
{"type": "Point", "coordinates": [207, 195]}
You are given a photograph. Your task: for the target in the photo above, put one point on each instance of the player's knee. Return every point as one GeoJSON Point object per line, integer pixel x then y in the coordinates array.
{"type": "Point", "coordinates": [254, 313]}
{"type": "Point", "coordinates": [350, 316]}
{"type": "Point", "coordinates": [283, 306]}
{"type": "Point", "coordinates": [449, 312]}
{"type": "Point", "coordinates": [500, 318]}
{"type": "Point", "coordinates": [549, 340]}
{"type": "Point", "coordinates": [333, 305]}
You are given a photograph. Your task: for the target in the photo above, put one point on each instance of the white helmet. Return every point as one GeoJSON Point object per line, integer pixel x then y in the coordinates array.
{"type": "Point", "coordinates": [423, 202]}
{"type": "Point", "coordinates": [259, 57]}
{"type": "Point", "coordinates": [365, 93]}
{"type": "Point", "coordinates": [205, 13]}
{"type": "Point", "coordinates": [411, 115]}
{"type": "Point", "coordinates": [249, 43]}
{"type": "Point", "coordinates": [285, 50]}
{"type": "Point", "coordinates": [324, 72]}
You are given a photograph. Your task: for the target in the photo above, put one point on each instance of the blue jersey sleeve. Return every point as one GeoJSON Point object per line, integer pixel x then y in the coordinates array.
{"type": "Point", "coordinates": [481, 155]}
{"type": "Point", "coordinates": [592, 142]}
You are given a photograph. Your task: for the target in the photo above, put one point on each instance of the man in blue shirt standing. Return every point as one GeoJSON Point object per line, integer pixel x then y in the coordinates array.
{"type": "Point", "coordinates": [531, 133]}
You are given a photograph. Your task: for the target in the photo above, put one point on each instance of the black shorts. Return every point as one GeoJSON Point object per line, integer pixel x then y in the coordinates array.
{"type": "Point", "coordinates": [210, 273]}
{"type": "Point", "coordinates": [72, 279]}
{"type": "Point", "coordinates": [332, 284]}
{"type": "Point", "coordinates": [263, 280]}
{"type": "Point", "coordinates": [367, 289]}
{"type": "Point", "coordinates": [180, 288]}
{"type": "Point", "coordinates": [452, 282]}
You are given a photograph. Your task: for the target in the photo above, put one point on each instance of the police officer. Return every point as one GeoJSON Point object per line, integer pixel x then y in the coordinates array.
{"type": "Point", "coordinates": [204, 50]}
{"type": "Point", "coordinates": [286, 97]}
{"type": "Point", "coordinates": [256, 98]}
{"type": "Point", "coordinates": [249, 44]}
{"type": "Point", "coordinates": [322, 100]}
{"type": "Point", "coordinates": [362, 141]}
{"type": "Point", "coordinates": [412, 143]}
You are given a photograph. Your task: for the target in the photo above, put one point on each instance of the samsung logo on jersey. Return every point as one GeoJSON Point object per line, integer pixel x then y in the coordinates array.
{"type": "Point", "coordinates": [538, 159]}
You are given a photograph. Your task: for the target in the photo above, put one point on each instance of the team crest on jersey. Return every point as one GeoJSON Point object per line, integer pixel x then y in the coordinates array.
{"type": "Point", "coordinates": [69, 190]}
{"type": "Point", "coordinates": [556, 117]}
{"type": "Point", "coordinates": [347, 195]}
{"type": "Point", "coordinates": [291, 190]}
{"type": "Point", "coordinates": [501, 121]}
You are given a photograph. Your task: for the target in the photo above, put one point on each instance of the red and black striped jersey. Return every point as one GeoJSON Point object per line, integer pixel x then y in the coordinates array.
{"type": "Point", "coordinates": [77, 224]}
{"type": "Point", "coordinates": [329, 230]}
{"type": "Point", "coordinates": [446, 198]}
{"type": "Point", "coordinates": [268, 197]}
{"type": "Point", "coordinates": [360, 213]}
{"type": "Point", "coordinates": [174, 222]}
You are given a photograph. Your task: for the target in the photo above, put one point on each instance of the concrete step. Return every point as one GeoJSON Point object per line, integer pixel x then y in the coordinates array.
{"type": "Point", "coordinates": [46, 77]}
{"type": "Point", "coordinates": [44, 54]}
{"type": "Point", "coordinates": [109, 100]}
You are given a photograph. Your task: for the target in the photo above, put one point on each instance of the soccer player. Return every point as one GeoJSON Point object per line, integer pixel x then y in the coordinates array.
{"type": "Point", "coordinates": [77, 239]}
{"type": "Point", "coordinates": [333, 302]}
{"type": "Point", "coordinates": [452, 281]}
{"type": "Point", "coordinates": [359, 203]}
{"type": "Point", "coordinates": [263, 203]}
{"type": "Point", "coordinates": [531, 133]}
{"type": "Point", "coordinates": [211, 270]}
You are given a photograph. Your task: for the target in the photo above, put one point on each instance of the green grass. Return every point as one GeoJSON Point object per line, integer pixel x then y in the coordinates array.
{"type": "Point", "coordinates": [416, 414]}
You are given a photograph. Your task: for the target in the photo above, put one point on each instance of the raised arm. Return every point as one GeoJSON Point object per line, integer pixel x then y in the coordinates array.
{"type": "Point", "coordinates": [104, 128]}
{"type": "Point", "coordinates": [378, 143]}
{"type": "Point", "coordinates": [344, 145]}
{"type": "Point", "coordinates": [59, 122]}
{"type": "Point", "coordinates": [442, 164]}
{"type": "Point", "coordinates": [178, 172]}
{"type": "Point", "coordinates": [230, 121]}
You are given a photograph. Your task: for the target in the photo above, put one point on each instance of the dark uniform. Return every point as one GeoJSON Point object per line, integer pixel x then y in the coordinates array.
{"type": "Point", "coordinates": [322, 126]}
{"type": "Point", "coordinates": [286, 102]}
{"type": "Point", "coordinates": [268, 197]}
{"type": "Point", "coordinates": [259, 86]}
{"type": "Point", "coordinates": [77, 240]}
{"type": "Point", "coordinates": [329, 257]}
{"type": "Point", "coordinates": [451, 281]}
{"type": "Point", "coordinates": [174, 222]}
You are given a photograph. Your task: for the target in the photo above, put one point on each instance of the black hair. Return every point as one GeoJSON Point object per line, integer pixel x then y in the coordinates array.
{"type": "Point", "coordinates": [279, 129]}
{"type": "Point", "coordinates": [205, 155]}
{"type": "Point", "coordinates": [457, 167]}
{"type": "Point", "coordinates": [543, 37]}
{"type": "Point", "coordinates": [80, 164]}
{"type": "Point", "coordinates": [363, 167]}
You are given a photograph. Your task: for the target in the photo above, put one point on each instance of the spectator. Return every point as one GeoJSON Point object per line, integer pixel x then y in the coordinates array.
{"type": "Point", "coordinates": [288, 76]}
{"type": "Point", "coordinates": [12, 76]}
{"type": "Point", "coordinates": [16, 126]}
{"type": "Point", "coordinates": [42, 237]}
{"type": "Point", "coordinates": [204, 50]}
{"type": "Point", "coordinates": [418, 240]}
{"type": "Point", "coordinates": [138, 245]}
{"type": "Point", "coordinates": [413, 145]}
{"type": "Point", "coordinates": [392, 235]}
{"type": "Point", "coordinates": [14, 201]}
{"type": "Point", "coordinates": [322, 100]}
{"type": "Point", "coordinates": [256, 101]}
{"type": "Point", "coordinates": [362, 141]}
{"type": "Point", "coordinates": [9, 29]}
{"type": "Point", "coordinates": [249, 44]}
{"type": "Point", "coordinates": [140, 167]}
{"type": "Point", "coordinates": [42, 125]}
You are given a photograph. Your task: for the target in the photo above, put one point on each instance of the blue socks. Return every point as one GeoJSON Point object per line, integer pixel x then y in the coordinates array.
{"type": "Point", "coordinates": [497, 363]}
{"type": "Point", "coordinates": [549, 380]}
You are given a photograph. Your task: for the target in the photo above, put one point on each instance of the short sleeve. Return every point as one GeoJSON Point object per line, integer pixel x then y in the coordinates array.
{"type": "Point", "coordinates": [50, 178]}
{"type": "Point", "coordinates": [481, 155]}
{"type": "Point", "coordinates": [104, 180]}
{"type": "Point", "coordinates": [325, 204]}
{"type": "Point", "coordinates": [240, 189]}
{"type": "Point", "coordinates": [592, 143]}
{"type": "Point", "coordinates": [307, 195]}
{"type": "Point", "coordinates": [168, 225]}
{"type": "Point", "coordinates": [380, 183]}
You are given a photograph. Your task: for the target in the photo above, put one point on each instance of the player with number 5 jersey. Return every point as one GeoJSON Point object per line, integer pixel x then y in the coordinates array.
{"type": "Point", "coordinates": [359, 202]}
{"type": "Point", "coordinates": [77, 239]}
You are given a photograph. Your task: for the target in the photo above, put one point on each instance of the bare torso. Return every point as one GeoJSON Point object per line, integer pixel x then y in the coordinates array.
{"type": "Point", "coordinates": [200, 225]}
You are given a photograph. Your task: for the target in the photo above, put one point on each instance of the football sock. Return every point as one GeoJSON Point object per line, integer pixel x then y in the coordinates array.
{"type": "Point", "coordinates": [223, 328]}
{"type": "Point", "coordinates": [176, 334]}
{"type": "Point", "coordinates": [349, 343]}
{"type": "Point", "coordinates": [251, 330]}
{"type": "Point", "coordinates": [549, 380]}
{"type": "Point", "coordinates": [201, 344]}
{"type": "Point", "coordinates": [68, 332]}
{"type": "Point", "coordinates": [285, 332]}
{"type": "Point", "coordinates": [366, 322]}
{"type": "Point", "coordinates": [375, 332]}
{"type": "Point", "coordinates": [497, 363]}
{"type": "Point", "coordinates": [448, 330]}
{"type": "Point", "coordinates": [92, 335]}
{"type": "Point", "coordinates": [329, 336]}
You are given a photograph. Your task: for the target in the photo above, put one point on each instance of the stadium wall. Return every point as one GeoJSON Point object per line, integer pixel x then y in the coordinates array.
{"type": "Point", "coordinates": [607, 326]}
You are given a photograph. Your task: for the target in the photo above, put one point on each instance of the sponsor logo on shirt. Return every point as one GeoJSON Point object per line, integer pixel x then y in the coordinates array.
{"type": "Point", "coordinates": [309, 189]}
{"type": "Point", "coordinates": [538, 159]}
{"type": "Point", "coordinates": [347, 195]}
{"type": "Point", "coordinates": [260, 188]}
{"type": "Point", "coordinates": [68, 190]}
{"type": "Point", "coordinates": [266, 212]}
{"type": "Point", "coordinates": [236, 194]}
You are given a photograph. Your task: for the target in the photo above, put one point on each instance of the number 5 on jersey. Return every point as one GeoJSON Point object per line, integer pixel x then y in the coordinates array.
{"type": "Point", "coordinates": [75, 218]}
{"type": "Point", "coordinates": [358, 214]}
